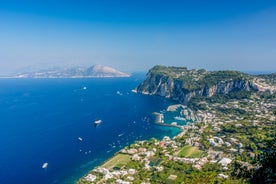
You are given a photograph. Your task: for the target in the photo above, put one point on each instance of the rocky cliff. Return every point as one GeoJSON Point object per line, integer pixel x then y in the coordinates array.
{"type": "Point", "coordinates": [181, 84]}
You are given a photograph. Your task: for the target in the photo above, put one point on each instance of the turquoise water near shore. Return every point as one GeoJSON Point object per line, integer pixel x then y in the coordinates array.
{"type": "Point", "coordinates": [42, 120]}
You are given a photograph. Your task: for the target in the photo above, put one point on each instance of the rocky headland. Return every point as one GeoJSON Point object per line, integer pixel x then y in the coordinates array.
{"type": "Point", "coordinates": [181, 84]}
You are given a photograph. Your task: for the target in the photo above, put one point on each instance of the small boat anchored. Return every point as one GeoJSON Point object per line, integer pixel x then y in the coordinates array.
{"type": "Point", "coordinates": [45, 165]}
{"type": "Point", "coordinates": [97, 122]}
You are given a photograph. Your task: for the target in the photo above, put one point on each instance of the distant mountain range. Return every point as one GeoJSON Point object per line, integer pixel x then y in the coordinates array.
{"type": "Point", "coordinates": [96, 71]}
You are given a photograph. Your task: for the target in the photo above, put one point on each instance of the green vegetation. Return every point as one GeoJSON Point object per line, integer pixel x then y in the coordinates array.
{"type": "Point", "coordinates": [118, 161]}
{"type": "Point", "coordinates": [232, 142]}
{"type": "Point", "coordinates": [267, 160]}
{"type": "Point", "coordinates": [190, 152]}
{"type": "Point", "coordinates": [196, 102]}
{"type": "Point", "coordinates": [168, 71]}
{"type": "Point", "coordinates": [270, 78]}
{"type": "Point", "coordinates": [190, 80]}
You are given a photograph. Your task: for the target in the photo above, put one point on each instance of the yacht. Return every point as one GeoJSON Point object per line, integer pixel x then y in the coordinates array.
{"type": "Point", "coordinates": [97, 122]}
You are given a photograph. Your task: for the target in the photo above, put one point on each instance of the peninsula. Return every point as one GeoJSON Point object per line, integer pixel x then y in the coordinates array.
{"type": "Point", "coordinates": [96, 71]}
{"type": "Point", "coordinates": [231, 140]}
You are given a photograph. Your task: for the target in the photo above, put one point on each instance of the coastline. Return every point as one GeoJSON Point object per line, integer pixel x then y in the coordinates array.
{"type": "Point", "coordinates": [197, 148]}
{"type": "Point", "coordinates": [158, 121]}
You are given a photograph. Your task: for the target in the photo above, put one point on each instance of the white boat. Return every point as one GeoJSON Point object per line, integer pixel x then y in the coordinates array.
{"type": "Point", "coordinates": [45, 165]}
{"type": "Point", "coordinates": [180, 118]}
{"type": "Point", "coordinates": [97, 122]}
{"type": "Point", "coordinates": [121, 134]}
{"type": "Point", "coordinates": [80, 139]}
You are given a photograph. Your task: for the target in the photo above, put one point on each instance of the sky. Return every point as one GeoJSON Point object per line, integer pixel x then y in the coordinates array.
{"type": "Point", "coordinates": [134, 35]}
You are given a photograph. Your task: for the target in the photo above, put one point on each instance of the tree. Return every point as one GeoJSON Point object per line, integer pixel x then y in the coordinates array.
{"type": "Point", "coordinates": [267, 171]}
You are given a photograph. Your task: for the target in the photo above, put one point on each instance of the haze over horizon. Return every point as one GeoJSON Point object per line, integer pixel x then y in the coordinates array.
{"type": "Point", "coordinates": [135, 35]}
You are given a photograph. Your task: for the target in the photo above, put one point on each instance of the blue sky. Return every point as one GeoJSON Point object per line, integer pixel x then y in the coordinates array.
{"type": "Point", "coordinates": [134, 35]}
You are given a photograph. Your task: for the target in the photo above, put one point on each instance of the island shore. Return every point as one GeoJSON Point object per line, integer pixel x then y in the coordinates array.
{"type": "Point", "coordinates": [122, 156]}
{"type": "Point", "coordinates": [211, 149]}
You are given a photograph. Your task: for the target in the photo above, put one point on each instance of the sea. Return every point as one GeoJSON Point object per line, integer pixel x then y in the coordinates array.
{"type": "Point", "coordinates": [52, 121]}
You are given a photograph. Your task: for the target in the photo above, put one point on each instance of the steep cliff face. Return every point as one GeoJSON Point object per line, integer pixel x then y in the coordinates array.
{"type": "Point", "coordinates": [182, 85]}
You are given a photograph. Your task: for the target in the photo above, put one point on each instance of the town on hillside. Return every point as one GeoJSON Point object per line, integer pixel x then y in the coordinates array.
{"type": "Point", "coordinates": [232, 140]}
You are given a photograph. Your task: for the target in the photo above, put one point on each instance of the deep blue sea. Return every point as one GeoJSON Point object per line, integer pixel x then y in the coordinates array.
{"type": "Point", "coordinates": [41, 120]}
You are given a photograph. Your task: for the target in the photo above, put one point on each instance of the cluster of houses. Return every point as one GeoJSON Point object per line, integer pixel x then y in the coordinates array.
{"type": "Point", "coordinates": [222, 148]}
{"type": "Point", "coordinates": [144, 155]}
{"type": "Point", "coordinates": [112, 175]}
